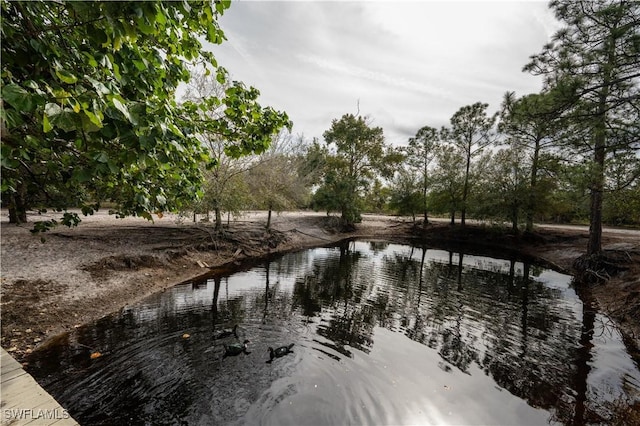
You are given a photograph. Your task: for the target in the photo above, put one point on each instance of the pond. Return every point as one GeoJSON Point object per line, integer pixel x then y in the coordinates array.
{"type": "Point", "coordinates": [382, 334]}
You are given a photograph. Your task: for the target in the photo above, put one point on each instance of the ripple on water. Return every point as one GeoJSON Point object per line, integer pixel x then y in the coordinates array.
{"type": "Point", "coordinates": [383, 334]}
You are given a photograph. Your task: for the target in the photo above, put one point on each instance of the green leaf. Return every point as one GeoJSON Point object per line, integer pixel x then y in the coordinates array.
{"type": "Point", "coordinates": [221, 75]}
{"type": "Point", "coordinates": [65, 120]}
{"type": "Point", "coordinates": [90, 59]}
{"type": "Point", "coordinates": [142, 200]}
{"type": "Point", "coordinates": [66, 77]}
{"type": "Point", "coordinates": [144, 27]}
{"type": "Point", "coordinates": [116, 71]}
{"type": "Point", "coordinates": [82, 175]}
{"type": "Point", "coordinates": [12, 117]}
{"type": "Point", "coordinates": [122, 108]}
{"type": "Point", "coordinates": [18, 97]}
{"type": "Point", "coordinates": [101, 157]}
{"type": "Point", "coordinates": [31, 84]}
{"type": "Point", "coordinates": [175, 130]}
{"type": "Point", "coordinates": [98, 86]}
{"type": "Point", "coordinates": [140, 65]}
{"type": "Point", "coordinates": [160, 18]}
{"type": "Point", "coordinates": [113, 168]}
{"type": "Point", "coordinates": [93, 118]}
{"type": "Point", "coordinates": [46, 124]}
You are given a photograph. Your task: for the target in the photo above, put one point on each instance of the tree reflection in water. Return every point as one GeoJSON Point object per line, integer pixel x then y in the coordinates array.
{"type": "Point", "coordinates": [503, 319]}
{"type": "Point", "coordinates": [513, 327]}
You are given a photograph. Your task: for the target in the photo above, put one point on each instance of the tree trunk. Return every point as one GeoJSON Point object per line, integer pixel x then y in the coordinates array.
{"type": "Point", "coordinates": [17, 206]}
{"type": "Point", "coordinates": [594, 245]}
{"type": "Point", "coordinates": [269, 219]}
{"type": "Point", "coordinates": [424, 196]}
{"type": "Point", "coordinates": [218, 218]}
{"type": "Point", "coordinates": [453, 217]}
{"type": "Point", "coordinates": [599, 152]}
{"type": "Point", "coordinates": [465, 192]}
{"type": "Point", "coordinates": [533, 191]}
{"type": "Point", "coordinates": [595, 221]}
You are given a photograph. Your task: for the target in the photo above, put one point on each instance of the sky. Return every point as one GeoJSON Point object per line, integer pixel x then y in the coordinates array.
{"type": "Point", "coordinates": [404, 65]}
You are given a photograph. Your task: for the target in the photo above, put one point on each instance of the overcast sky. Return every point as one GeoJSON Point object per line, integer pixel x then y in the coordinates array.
{"type": "Point", "coordinates": [409, 64]}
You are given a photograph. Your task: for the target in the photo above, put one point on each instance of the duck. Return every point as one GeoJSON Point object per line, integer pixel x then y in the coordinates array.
{"type": "Point", "coordinates": [237, 348]}
{"type": "Point", "coordinates": [226, 333]}
{"type": "Point", "coordinates": [279, 352]}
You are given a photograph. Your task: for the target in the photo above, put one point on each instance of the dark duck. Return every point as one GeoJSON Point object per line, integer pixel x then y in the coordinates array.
{"type": "Point", "coordinates": [222, 334]}
{"type": "Point", "coordinates": [279, 352]}
{"type": "Point", "coordinates": [233, 349]}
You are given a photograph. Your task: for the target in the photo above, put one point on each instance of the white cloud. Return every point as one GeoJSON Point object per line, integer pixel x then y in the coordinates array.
{"type": "Point", "coordinates": [409, 64]}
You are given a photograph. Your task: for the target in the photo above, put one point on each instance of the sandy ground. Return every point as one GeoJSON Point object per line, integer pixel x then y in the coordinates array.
{"type": "Point", "coordinates": [81, 274]}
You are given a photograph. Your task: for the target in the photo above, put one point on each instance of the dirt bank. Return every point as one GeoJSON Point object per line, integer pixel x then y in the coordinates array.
{"type": "Point", "coordinates": [81, 274]}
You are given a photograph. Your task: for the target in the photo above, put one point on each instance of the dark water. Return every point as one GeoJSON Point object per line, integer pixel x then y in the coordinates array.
{"type": "Point", "coordinates": [384, 334]}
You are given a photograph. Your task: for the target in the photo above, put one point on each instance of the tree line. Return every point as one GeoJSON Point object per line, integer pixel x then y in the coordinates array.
{"type": "Point", "coordinates": [90, 114]}
{"type": "Point", "coordinates": [568, 152]}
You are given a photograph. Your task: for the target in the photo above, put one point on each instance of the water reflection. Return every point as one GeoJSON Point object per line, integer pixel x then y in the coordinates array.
{"type": "Point", "coordinates": [383, 333]}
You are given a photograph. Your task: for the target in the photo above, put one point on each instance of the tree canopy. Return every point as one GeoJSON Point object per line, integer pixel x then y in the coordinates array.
{"type": "Point", "coordinates": [594, 63]}
{"type": "Point", "coordinates": [360, 153]}
{"type": "Point", "coordinates": [420, 152]}
{"type": "Point", "coordinates": [229, 122]}
{"type": "Point", "coordinates": [89, 110]}
{"type": "Point", "coordinates": [471, 132]}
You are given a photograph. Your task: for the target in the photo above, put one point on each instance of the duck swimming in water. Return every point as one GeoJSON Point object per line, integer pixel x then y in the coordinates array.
{"type": "Point", "coordinates": [279, 352]}
{"type": "Point", "coordinates": [226, 333]}
{"type": "Point", "coordinates": [234, 349]}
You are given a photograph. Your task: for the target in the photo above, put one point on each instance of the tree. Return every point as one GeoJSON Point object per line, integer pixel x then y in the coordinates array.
{"type": "Point", "coordinates": [360, 153]}
{"type": "Point", "coordinates": [313, 161]}
{"type": "Point", "coordinates": [405, 199]}
{"type": "Point", "coordinates": [230, 137]}
{"type": "Point", "coordinates": [448, 179]}
{"type": "Point", "coordinates": [470, 133]}
{"type": "Point", "coordinates": [224, 185]}
{"type": "Point", "coordinates": [420, 153]}
{"type": "Point", "coordinates": [621, 205]}
{"type": "Point", "coordinates": [87, 107]}
{"type": "Point", "coordinates": [376, 197]}
{"type": "Point", "coordinates": [594, 60]}
{"type": "Point", "coordinates": [528, 123]}
{"type": "Point", "coordinates": [569, 197]}
{"type": "Point", "coordinates": [274, 181]}
{"type": "Point", "coordinates": [504, 176]}
{"type": "Point", "coordinates": [88, 104]}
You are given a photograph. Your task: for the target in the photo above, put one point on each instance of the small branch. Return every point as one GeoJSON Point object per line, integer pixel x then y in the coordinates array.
{"type": "Point", "coordinates": [213, 240]}
{"type": "Point", "coordinates": [607, 278]}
